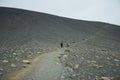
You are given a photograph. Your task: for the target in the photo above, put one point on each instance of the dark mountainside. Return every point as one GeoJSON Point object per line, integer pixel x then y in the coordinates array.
{"type": "Point", "coordinates": [94, 46]}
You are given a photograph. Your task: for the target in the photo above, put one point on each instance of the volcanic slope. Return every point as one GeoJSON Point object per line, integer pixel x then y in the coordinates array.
{"type": "Point", "coordinates": [21, 26]}
{"type": "Point", "coordinates": [24, 33]}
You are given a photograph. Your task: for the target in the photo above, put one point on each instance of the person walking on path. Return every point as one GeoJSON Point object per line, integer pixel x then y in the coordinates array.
{"type": "Point", "coordinates": [61, 45]}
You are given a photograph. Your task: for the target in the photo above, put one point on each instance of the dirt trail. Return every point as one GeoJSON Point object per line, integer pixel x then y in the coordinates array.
{"type": "Point", "coordinates": [47, 67]}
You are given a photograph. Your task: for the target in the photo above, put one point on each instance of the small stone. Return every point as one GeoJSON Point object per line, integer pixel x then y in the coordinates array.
{"type": "Point", "coordinates": [67, 50]}
{"type": "Point", "coordinates": [64, 56]}
{"type": "Point", "coordinates": [14, 54]}
{"type": "Point", "coordinates": [13, 65]}
{"type": "Point", "coordinates": [29, 56]}
{"type": "Point", "coordinates": [26, 61]}
{"type": "Point", "coordinates": [76, 66]}
{"type": "Point", "coordinates": [93, 61]}
{"type": "Point", "coordinates": [62, 77]}
{"type": "Point", "coordinates": [57, 63]}
{"type": "Point", "coordinates": [108, 58]}
{"type": "Point", "coordinates": [1, 73]}
{"type": "Point", "coordinates": [74, 75]}
{"type": "Point", "coordinates": [96, 78]}
{"type": "Point", "coordinates": [1, 69]}
{"type": "Point", "coordinates": [100, 66]}
{"type": "Point", "coordinates": [59, 57]}
{"type": "Point", "coordinates": [104, 78]}
{"type": "Point", "coordinates": [5, 61]}
{"type": "Point", "coordinates": [69, 69]}
{"type": "Point", "coordinates": [24, 66]}
{"type": "Point", "coordinates": [17, 59]}
{"type": "Point", "coordinates": [82, 58]}
{"type": "Point", "coordinates": [116, 60]}
{"type": "Point", "coordinates": [97, 56]}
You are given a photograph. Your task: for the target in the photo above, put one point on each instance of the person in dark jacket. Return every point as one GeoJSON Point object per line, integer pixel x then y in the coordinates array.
{"type": "Point", "coordinates": [61, 45]}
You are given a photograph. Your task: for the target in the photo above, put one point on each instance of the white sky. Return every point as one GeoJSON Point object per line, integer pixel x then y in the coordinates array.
{"type": "Point", "coordinates": [93, 10]}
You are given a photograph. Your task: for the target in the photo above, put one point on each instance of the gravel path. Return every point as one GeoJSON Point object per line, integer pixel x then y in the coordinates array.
{"type": "Point", "coordinates": [47, 67]}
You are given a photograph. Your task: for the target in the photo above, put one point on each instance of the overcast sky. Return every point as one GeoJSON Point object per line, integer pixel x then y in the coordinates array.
{"type": "Point", "coordinates": [95, 10]}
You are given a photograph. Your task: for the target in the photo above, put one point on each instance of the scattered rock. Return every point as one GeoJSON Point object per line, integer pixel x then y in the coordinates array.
{"type": "Point", "coordinates": [26, 61]}
{"type": "Point", "coordinates": [82, 58]}
{"type": "Point", "coordinates": [93, 61]}
{"type": "Point", "coordinates": [13, 65]}
{"type": "Point", "coordinates": [108, 58]}
{"type": "Point", "coordinates": [57, 63]}
{"type": "Point", "coordinates": [94, 64]}
{"type": "Point", "coordinates": [73, 75]}
{"type": "Point", "coordinates": [22, 51]}
{"type": "Point", "coordinates": [38, 52]}
{"type": "Point", "coordinates": [59, 56]}
{"type": "Point", "coordinates": [76, 66]}
{"type": "Point", "coordinates": [24, 66]}
{"type": "Point", "coordinates": [116, 60]}
{"type": "Point", "coordinates": [104, 78]}
{"type": "Point", "coordinates": [104, 50]}
{"type": "Point", "coordinates": [17, 59]}
{"type": "Point", "coordinates": [64, 56]}
{"type": "Point", "coordinates": [5, 61]}
{"type": "Point", "coordinates": [1, 69]}
{"type": "Point", "coordinates": [14, 54]}
{"type": "Point", "coordinates": [29, 56]}
{"type": "Point", "coordinates": [97, 66]}
{"type": "Point", "coordinates": [96, 78]}
{"type": "Point", "coordinates": [69, 69]}
{"type": "Point", "coordinates": [67, 50]}
{"type": "Point", "coordinates": [100, 66]}
{"type": "Point", "coordinates": [1, 73]}
{"type": "Point", "coordinates": [62, 77]}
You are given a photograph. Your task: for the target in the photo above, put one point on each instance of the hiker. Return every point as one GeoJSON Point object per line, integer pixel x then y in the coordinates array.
{"type": "Point", "coordinates": [61, 45]}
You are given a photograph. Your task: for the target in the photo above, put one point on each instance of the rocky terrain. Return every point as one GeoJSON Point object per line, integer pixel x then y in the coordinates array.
{"type": "Point", "coordinates": [86, 62]}
{"type": "Point", "coordinates": [92, 47]}
{"type": "Point", "coordinates": [15, 58]}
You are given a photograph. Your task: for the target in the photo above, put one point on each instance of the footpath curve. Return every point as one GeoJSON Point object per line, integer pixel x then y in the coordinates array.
{"type": "Point", "coordinates": [46, 67]}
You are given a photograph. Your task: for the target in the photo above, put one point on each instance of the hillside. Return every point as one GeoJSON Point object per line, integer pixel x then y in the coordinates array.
{"type": "Point", "coordinates": [26, 32]}
{"type": "Point", "coordinates": [24, 26]}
